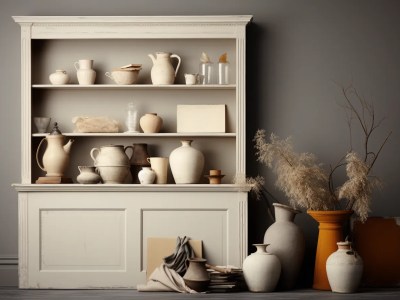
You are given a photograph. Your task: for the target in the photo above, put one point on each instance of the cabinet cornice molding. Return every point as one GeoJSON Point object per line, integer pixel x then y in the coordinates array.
{"type": "Point", "coordinates": [134, 26]}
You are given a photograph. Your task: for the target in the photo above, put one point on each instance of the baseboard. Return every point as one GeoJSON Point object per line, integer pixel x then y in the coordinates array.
{"type": "Point", "coordinates": [8, 271]}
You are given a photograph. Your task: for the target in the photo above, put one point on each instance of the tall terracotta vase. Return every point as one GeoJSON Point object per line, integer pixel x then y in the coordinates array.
{"type": "Point", "coordinates": [287, 242]}
{"type": "Point", "coordinates": [330, 232]}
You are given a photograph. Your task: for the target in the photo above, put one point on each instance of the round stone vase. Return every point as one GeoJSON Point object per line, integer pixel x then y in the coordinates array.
{"type": "Point", "coordinates": [151, 123]}
{"type": "Point", "coordinates": [261, 270]}
{"type": "Point", "coordinates": [330, 233]}
{"type": "Point", "coordinates": [186, 163]}
{"type": "Point", "coordinates": [287, 242]}
{"type": "Point", "coordinates": [344, 269]}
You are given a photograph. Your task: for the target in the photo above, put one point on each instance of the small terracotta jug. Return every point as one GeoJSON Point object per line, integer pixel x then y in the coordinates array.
{"type": "Point", "coordinates": [196, 276]}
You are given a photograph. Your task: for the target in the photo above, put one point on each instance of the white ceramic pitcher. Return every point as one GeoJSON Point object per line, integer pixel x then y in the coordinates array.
{"type": "Point", "coordinates": [163, 71]}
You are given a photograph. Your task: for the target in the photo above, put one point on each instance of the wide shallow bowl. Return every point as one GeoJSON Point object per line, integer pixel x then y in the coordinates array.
{"type": "Point", "coordinates": [124, 76]}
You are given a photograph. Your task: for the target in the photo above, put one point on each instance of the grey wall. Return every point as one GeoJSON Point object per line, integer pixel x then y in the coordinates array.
{"type": "Point", "coordinates": [299, 53]}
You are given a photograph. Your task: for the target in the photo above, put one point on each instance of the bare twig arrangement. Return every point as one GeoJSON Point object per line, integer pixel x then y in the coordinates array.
{"type": "Point", "coordinates": [307, 184]}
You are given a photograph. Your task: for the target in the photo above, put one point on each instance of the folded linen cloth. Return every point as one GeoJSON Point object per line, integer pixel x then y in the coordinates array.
{"type": "Point", "coordinates": [164, 279]}
{"type": "Point", "coordinates": [178, 260]}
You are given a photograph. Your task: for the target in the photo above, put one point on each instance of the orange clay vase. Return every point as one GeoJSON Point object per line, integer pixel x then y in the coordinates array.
{"type": "Point", "coordinates": [330, 232]}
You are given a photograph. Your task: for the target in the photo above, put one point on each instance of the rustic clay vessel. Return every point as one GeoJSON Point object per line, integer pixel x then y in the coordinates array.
{"type": "Point", "coordinates": [186, 163]}
{"type": "Point", "coordinates": [261, 270]}
{"type": "Point", "coordinates": [330, 232]}
{"type": "Point", "coordinates": [196, 276]}
{"type": "Point", "coordinates": [344, 269]}
{"type": "Point", "coordinates": [287, 242]}
{"type": "Point", "coordinates": [151, 123]}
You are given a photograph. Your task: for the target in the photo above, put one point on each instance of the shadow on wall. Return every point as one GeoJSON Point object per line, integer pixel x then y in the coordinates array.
{"type": "Point", "coordinates": [260, 211]}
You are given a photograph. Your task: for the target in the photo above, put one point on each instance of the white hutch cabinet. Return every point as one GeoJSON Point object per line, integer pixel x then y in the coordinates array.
{"type": "Point", "coordinates": [94, 236]}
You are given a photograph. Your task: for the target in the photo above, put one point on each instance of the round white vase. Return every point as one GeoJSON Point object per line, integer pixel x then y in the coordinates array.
{"type": "Point", "coordinates": [59, 77]}
{"type": "Point", "coordinates": [146, 175]}
{"type": "Point", "coordinates": [261, 270]}
{"type": "Point", "coordinates": [286, 241]}
{"type": "Point", "coordinates": [186, 163]}
{"type": "Point", "coordinates": [344, 269]}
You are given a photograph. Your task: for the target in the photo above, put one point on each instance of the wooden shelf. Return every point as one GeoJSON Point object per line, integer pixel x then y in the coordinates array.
{"type": "Point", "coordinates": [135, 87]}
{"type": "Point", "coordinates": [155, 135]}
{"type": "Point", "coordinates": [132, 187]}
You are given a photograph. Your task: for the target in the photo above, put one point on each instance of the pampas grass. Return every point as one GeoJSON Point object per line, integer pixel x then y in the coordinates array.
{"type": "Point", "coordinates": [307, 184]}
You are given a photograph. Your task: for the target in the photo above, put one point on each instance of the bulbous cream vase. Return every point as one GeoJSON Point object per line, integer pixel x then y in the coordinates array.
{"type": "Point", "coordinates": [150, 123]}
{"type": "Point", "coordinates": [186, 163]}
{"type": "Point", "coordinates": [344, 269]}
{"type": "Point", "coordinates": [261, 270]}
{"type": "Point", "coordinates": [287, 242]}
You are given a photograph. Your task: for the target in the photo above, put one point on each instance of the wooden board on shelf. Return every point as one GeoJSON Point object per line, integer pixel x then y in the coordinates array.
{"type": "Point", "coordinates": [53, 180]}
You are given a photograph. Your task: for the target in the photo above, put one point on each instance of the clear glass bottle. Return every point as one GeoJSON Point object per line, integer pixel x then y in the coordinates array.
{"type": "Point", "coordinates": [206, 72]}
{"type": "Point", "coordinates": [132, 118]}
{"type": "Point", "coordinates": [223, 73]}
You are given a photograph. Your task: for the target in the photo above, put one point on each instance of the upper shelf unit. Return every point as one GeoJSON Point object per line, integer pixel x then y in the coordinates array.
{"type": "Point", "coordinates": [49, 43]}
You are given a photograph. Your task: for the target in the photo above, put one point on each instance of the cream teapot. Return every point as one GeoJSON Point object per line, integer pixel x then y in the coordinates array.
{"type": "Point", "coordinates": [163, 71]}
{"type": "Point", "coordinates": [56, 156]}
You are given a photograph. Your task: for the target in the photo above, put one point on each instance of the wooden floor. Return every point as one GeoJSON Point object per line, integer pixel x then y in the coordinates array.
{"type": "Point", "coordinates": [14, 293]}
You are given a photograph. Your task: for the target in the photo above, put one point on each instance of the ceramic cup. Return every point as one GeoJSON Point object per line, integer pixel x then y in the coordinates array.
{"type": "Point", "coordinates": [41, 123]}
{"type": "Point", "coordinates": [160, 167]}
{"type": "Point", "coordinates": [191, 79]}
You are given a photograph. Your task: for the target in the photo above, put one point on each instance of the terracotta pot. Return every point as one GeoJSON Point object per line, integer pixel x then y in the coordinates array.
{"type": "Point", "coordinates": [287, 242]}
{"type": "Point", "coordinates": [330, 232]}
{"type": "Point", "coordinates": [196, 276]}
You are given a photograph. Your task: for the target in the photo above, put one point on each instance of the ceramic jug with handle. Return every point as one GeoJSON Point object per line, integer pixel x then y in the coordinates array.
{"type": "Point", "coordinates": [163, 71]}
{"type": "Point", "coordinates": [56, 156]}
{"type": "Point", "coordinates": [111, 155]}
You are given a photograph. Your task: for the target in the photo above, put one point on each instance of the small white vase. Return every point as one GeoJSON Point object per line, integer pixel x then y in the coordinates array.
{"type": "Point", "coordinates": [88, 175]}
{"type": "Point", "coordinates": [151, 123]}
{"type": "Point", "coordinates": [261, 270]}
{"type": "Point", "coordinates": [186, 163]}
{"type": "Point", "coordinates": [287, 242]}
{"type": "Point", "coordinates": [146, 175]}
{"type": "Point", "coordinates": [84, 72]}
{"type": "Point", "coordinates": [344, 269]}
{"type": "Point", "coordinates": [59, 77]}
